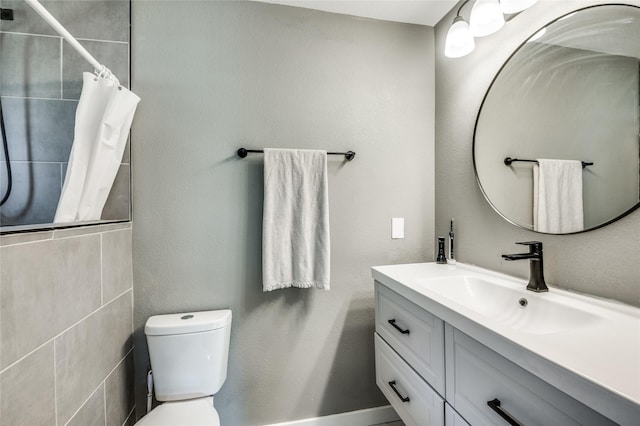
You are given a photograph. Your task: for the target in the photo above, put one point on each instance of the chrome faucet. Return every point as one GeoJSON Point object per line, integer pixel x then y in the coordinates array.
{"type": "Point", "coordinates": [536, 268]}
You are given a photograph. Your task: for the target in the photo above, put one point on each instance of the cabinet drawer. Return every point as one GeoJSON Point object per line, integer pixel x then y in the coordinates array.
{"type": "Point", "coordinates": [414, 401]}
{"type": "Point", "coordinates": [451, 418]}
{"type": "Point", "coordinates": [477, 375]}
{"type": "Point", "coordinates": [414, 333]}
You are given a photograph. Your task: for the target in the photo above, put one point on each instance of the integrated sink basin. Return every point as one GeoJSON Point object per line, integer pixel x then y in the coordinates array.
{"type": "Point", "coordinates": [586, 347]}
{"type": "Point", "coordinates": [511, 304]}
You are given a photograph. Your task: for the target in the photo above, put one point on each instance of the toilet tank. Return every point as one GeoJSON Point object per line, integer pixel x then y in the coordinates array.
{"type": "Point", "coordinates": [188, 353]}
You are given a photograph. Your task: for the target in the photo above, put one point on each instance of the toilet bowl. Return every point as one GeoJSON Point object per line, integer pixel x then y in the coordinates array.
{"type": "Point", "coordinates": [189, 354]}
{"type": "Point", "coordinates": [193, 412]}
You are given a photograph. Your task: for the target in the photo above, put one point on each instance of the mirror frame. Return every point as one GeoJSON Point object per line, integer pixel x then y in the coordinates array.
{"type": "Point", "coordinates": [475, 128]}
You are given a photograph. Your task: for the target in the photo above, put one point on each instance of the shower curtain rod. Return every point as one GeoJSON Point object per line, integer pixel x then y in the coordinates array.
{"type": "Point", "coordinates": [51, 20]}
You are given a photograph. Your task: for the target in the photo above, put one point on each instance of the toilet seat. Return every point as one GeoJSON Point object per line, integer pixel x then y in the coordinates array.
{"type": "Point", "coordinates": [192, 412]}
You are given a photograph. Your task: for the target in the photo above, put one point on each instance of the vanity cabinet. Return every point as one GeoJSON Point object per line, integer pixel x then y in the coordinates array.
{"type": "Point", "coordinates": [478, 387]}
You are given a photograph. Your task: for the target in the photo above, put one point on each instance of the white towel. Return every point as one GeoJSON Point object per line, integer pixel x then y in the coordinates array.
{"type": "Point", "coordinates": [295, 229]}
{"type": "Point", "coordinates": [557, 196]}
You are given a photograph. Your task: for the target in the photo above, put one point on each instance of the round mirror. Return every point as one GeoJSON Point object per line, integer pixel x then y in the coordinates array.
{"type": "Point", "coordinates": [556, 145]}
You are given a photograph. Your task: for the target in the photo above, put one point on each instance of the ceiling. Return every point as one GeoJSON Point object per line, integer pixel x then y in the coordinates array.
{"type": "Point", "coordinates": [423, 12]}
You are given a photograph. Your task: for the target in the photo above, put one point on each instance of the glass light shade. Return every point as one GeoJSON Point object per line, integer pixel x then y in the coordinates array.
{"type": "Point", "coordinates": [486, 18]}
{"type": "Point", "coordinates": [515, 6]}
{"type": "Point", "coordinates": [459, 41]}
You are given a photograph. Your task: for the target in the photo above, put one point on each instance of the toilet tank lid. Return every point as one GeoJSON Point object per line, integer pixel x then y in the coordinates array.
{"type": "Point", "coordinates": [190, 322]}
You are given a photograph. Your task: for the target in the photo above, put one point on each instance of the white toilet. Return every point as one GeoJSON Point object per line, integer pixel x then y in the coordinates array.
{"type": "Point", "coordinates": [189, 354]}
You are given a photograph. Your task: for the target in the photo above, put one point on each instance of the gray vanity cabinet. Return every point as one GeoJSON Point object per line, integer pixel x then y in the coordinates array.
{"type": "Point", "coordinates": [434, 374]}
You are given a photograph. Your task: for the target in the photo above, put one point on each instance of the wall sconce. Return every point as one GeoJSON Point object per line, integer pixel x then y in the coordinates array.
{"type": "Point", "coordinates": [487, 17]}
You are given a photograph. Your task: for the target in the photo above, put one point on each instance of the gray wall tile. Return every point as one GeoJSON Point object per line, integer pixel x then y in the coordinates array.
{"type": "Point", "coordinates": [26, 20]}
{"type": "Point", "coordinates": [88, 352]}
{"type": "Point", "coordinates": [119, 199]}
{"type": "Point", "coordinates": [34, 194]}
{"type": "Point", "coordinates": [27, 391]}
{"type": "Point", "coordinates": [44, 288]}
{"type": "Point", "coordinates": [39, 129]}
{"type": "Point", "coordinates": [97, 19]}
{"type": "Point", "coordinates": [26, 237]}
{"type": "Point", "coordinates": [30, 66]}
{"type": "Point", "coordinates": [112, 55]}
{"type": "Point", "coordinates": [119, 392]}
{"type": "Point", "coordinates": [92, 413]}
{"type": "Point", "coordinates": [116, 264]}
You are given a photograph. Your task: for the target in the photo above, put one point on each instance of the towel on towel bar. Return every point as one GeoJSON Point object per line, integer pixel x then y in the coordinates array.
{"type": "Point", "coordinates": [295, 225]}
{"type": "Point", "coordinates": [557, 196]}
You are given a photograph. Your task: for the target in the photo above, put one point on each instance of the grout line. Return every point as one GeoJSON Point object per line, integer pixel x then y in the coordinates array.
{"type": "Point", "coordinates": [30, 34]}
{"type": "Point", "coordinates": [129, 416]}
{"type": "Point", "coordinates": [61, 38]}
{"type": "Point", "coordinates": [103, 383]}
{"type": "Point", "coordinates": [61, 68]}
{"type": "Point", "coordinates": [101, 272]}
{"type": "Point", "coordinates": [34, 162]}
{"type": "Point", "coordinates": [102, 41]}
{"type": "Point", "coordinates": [35, 98]}
{"type": "Point", "coordinates": [62, 332]}
{"type": "Point", "coordinates": [83, 404]}
{"type": "Point", "coordinates": [104, 399]}
{"type": "Point", "coordinates": [55, 384]}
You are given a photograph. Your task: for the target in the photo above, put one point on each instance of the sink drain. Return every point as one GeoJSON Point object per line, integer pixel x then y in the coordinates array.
{"type": "Point", "coordinates": [523, 302]}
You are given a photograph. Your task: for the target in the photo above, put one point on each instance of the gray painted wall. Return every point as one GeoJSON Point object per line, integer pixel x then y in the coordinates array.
{"type": "Point", "coordinates": [604, 262]}
{"type": "Point", "coordinates": [215, 76]}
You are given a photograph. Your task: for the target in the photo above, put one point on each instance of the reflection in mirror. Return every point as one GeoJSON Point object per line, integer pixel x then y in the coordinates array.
{"type": "Point", "coordinates": [571, 92]}
{"type": "Point", "coordinates": [40, 84]}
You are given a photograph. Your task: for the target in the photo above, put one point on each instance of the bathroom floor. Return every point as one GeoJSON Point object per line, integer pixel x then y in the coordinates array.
{"type": "Point", "coordinates": [396, 423]}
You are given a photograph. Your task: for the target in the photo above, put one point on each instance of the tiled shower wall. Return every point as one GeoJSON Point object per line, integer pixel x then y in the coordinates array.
{"type": "Point", "coordinates": [66, 321]}
{"type": "Point", "coordinates": [40, 84]}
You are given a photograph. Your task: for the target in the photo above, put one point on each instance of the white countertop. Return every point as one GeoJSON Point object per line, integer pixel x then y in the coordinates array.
{"type": "Point", "coordinates": [597, 363]}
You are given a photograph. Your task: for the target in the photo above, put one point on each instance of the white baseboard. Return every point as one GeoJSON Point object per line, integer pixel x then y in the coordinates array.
{"type": "Point", "coordinates": [366, 417]}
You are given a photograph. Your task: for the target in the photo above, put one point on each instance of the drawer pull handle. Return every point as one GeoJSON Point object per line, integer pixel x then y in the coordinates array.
{"type": "Point", "coordinates": [393, 323]}
{"type": "Point", "coordinates": [393, 386]}
{"type": "Point", "coordinates": [495, 406]}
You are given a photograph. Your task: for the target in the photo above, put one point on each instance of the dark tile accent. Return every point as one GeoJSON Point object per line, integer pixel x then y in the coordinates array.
{"type": "Point", "coordinates": [39, 130]}
{"type": "Point", "coordinates": [97, 19]}
{"type": "Point", "coordinates": [113, 55]}
{"type": "Point", "coordinates": [34, 195]}
{"type": "Point", "coordinates": [26, 20]}
{"type": "Point", "coordinates": [30, 66]}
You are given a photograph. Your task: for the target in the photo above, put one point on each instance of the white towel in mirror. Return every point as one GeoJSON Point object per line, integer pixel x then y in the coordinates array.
{"type": "Point", "coordinates": [557, 196]}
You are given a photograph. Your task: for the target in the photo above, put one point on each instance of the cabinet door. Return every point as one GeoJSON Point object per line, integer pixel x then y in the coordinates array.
{"type": "Point", "coordinates": [482, 384]}
{"type": "Point", "coordinates": [412, 398]}
{"type": "Point", "coordinates": [451, 418]}
{"type": "Point", "coordinates": [417, 335]}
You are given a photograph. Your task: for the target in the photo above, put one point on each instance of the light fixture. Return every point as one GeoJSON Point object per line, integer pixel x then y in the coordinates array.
{"type": "Point", "coordinates": [514, 6]}
{"type": "Point", "coordinates": [459, 41]}
{"type": "Point", "coordinates": [486, 18]}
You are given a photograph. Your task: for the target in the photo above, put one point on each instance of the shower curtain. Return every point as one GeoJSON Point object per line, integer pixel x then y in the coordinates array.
{"type": "Point", "coordinates": [103, 120]}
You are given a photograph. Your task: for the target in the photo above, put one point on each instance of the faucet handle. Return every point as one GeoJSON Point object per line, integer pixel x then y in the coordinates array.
{"type": "Point", "coordinates": [530, 243]}
{"type": "Point", "coordinates": [534, 246]}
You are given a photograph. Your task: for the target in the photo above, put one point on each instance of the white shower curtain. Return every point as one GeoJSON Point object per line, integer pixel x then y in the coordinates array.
{"type": "Point", "coordinates": [103, 119]}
